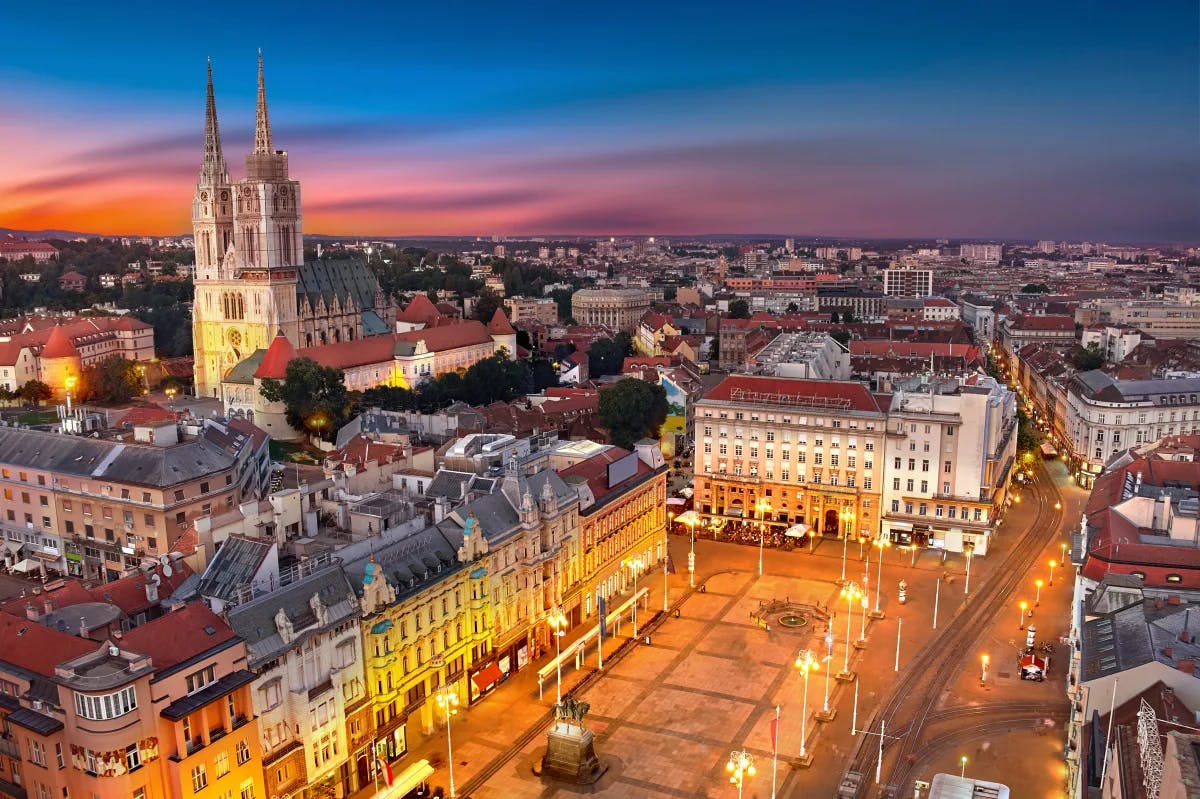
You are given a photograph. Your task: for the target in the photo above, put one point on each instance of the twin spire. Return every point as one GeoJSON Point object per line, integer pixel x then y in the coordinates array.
{"type": "Point", "coordinates": [214, 166]}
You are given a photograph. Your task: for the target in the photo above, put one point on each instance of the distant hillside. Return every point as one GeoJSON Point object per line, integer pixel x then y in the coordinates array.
{"type": "Point", "coordinates": [42, 235]}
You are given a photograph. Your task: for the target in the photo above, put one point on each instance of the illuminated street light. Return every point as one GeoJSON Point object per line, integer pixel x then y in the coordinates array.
{"type": "Point", "coordinates": [806, 661]}
{"type": "Point", "coordinates": [850, 592]}
{"type": "Point", "coordinates": [447, 700]}
{"type": "Point", "coordinates": [763, 506]}
{"type": "Point", "coordinates": [1053, 563]}
{"type": "Point", "coordinates": [963, 774]}
{"type": "Point", "coordinates": [882, 544]}
{"type": "Point", "coordinates": [1037, 601]}
{"type": "Point", "coordinates": [634, 564]}
{"type": "Point", "coordinates": [1022, 605]}
{"type": "Point", "coordinates": [739, 767]}
{"type": "Point", "coordinates": [557, 622]}
{"type": "Point", "coordinates": [847, 517]}
{"type": "Point", "coordinates": [984, 662]}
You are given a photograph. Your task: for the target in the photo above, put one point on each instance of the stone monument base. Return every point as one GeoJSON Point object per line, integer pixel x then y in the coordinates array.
{"type": "Point", "coordinates": [571, 755]}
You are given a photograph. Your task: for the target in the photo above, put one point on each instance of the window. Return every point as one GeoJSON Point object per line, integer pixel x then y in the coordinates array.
{"type": "Point", "coordinates": [199, 778]}
{"type": "Point", "coordinates": [221, 765]}
{"type": "Point", "coordinates": [1174, 578]}
{"type": "Point", "coordinates": [895, 506]}
{"type": "Point", "coordinates": [198, 680]}
{"type": "Point", "coordinates": [924, 486]}
{"type": "Point", "coordinates": [37, 752]}
{"type": "Point", "coordinates": [247, 789]}
{"type": "Point", "coordinates": [106, 706]}
{"type": "Point", "coordinates": [924, 465]}
{"type": "Point", "coordinates": [243, 753]}
{"type": "Point", "coordinates": [945, 488]}
{"type": "Point", "coordinates": [58, 756]}
{"type": "Point", "coordinates": [899, 463]}
{"type": "Point", "coordinates": [133, 757]}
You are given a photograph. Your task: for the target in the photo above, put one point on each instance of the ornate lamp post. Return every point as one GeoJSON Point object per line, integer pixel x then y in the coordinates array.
{"type": "Point", "coordinates": [847, 518]}
{"type": "Point", "coordinates": [806, 661]}
{"type": "Point", "coordinates": [447, 700]}
{"type": "Point", "coordinates": [1053, 564]}
{"type": "Point", "coordinates": [739, 767]}
{"type": "Point", "coordinates": [850, 592]}
{"type": "Point", "coordinates": [883, 545]}
{"type": "Point", "coordinates": [763, 507]}
{"type": "Point", "coordinates": [633, 564]}
{"type": "Point", "coordinates": [557, 622]}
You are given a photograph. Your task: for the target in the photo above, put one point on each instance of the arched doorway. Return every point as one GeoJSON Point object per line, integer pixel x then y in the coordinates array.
{"type": "Point", "coordinates": [831, 522]}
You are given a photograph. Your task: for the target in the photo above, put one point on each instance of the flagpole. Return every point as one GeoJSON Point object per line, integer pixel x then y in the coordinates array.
{"type": "Point", "coordinates": [774, 751]}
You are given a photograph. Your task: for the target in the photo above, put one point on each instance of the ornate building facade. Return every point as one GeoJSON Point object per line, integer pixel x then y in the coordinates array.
{"type": "Point", "coordinates": [251, 277]}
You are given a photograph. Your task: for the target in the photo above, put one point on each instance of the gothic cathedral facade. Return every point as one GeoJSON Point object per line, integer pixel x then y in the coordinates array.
{"type": "Point", "coordinates": [251, 278]}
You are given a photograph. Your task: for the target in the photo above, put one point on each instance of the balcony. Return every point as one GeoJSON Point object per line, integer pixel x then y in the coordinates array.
{"type": "Point", "coordinates": [9, 746]}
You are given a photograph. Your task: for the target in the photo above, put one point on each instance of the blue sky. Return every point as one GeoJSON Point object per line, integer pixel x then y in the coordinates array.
{"type": "Point", "coordinates": [1065, 120]}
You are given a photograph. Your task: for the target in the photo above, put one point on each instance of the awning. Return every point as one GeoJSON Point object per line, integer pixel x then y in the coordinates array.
{"type": "Point", "coordinates": [797, 531]}
{"type": "Point", "coordinates": [407, 780]}
{"type": "Point", "coordinates": [26, 566]}
{"type": "Point", "coordinates": [486, 677]}
{"type": "Point", "coordinates": [46, 556]}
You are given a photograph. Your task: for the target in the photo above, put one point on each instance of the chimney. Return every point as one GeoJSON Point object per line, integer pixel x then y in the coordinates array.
{"type": "Point", "coordinates": [1186, 665]}
{"type": "Point", "coordinates": [47, 606]}
{"type": "Point", "coordinates": [83, 630]}
{"type": "Point", "coordinates": [441, 507]}
{"type": "Point", "coordinates": [30, 611]}
{"type": "Point", "coordinates": [1168, 651]}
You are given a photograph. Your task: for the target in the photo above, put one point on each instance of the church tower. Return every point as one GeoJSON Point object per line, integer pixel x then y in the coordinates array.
{"type": "Point", "coordinates": [248, 252]}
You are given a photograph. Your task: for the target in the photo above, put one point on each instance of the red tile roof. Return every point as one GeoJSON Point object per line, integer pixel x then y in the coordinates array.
{"type": "Point", "coordinates": [1046, 323]}
{"type": "Point", "coordinates": [821, 393]}
{"type": "Point", "coordinates": [381, 349]}
{"type": "Point", "coordinates": [31, 646]}
{"type": "Point", "coordinates": [595, 471]}
{"type": "Point", "coordinates": [275, 361]}
{"type": "Point", "coordinates": [179, 636]}
{"type": "Point", "coordinates": [419, 310]}
{"type": "Point", "coordinates": [500, 325]}
{"type": "Point", "coordinates": [59, 345]}
{"type": "Point", "coordinates": [149, 414]}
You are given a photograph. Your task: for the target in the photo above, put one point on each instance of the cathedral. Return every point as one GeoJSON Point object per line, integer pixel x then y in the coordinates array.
{"type": "Point", "coordinates": [251, 279]}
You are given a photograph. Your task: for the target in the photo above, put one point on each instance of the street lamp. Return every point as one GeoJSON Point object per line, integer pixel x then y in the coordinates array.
{"type": "Point", "coordinates": [828, 668]}
{"type": "Point", "coordinates": [1037, 601]}
{"type": "Point", "coordinates": [1053, 563]}
{"type": "Point", "coordinates": [70, 381]}
{"type": "Point", "coordinates": [970, 549]}
{"type": "Point", "coordinates": [740, 766]}
{"type": "Point", "coordinates": [866, 603]}
{"type": "Point", "coordinates": [850, 592]}
{"type": "Point", "coordinates": [963, 774]}
{"type": "Point", "coordinates": [806, 661]}
{"type": "Point", "coordinates": [883, 544]}
{"type": "Point", "coordinates": [447, 699]}
{"type": "Point", "coordinates": [1063, 546]}
{"type": "Point", "coordinates": [691, 523]}
{"type": "Point", "coordinates": [847, 516]}
{"type": "Point", "coordinates": [557, 622]}
{"type": "Point", "coordinates": [633, 564]}
{"type": "Point", "coordinates": [984, 660]}
{"type": "Point", "coordinates": [763, 507]}
{"type": "Point", "coordinates": [1022, 605]}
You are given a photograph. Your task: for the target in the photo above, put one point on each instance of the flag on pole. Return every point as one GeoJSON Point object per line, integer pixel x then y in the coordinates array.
{"type": "Point", "coordinates": [775, 731]}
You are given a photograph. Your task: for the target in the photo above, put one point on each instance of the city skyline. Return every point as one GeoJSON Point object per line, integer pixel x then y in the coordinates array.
{"type": "Point", "coordinates": [888, 123]}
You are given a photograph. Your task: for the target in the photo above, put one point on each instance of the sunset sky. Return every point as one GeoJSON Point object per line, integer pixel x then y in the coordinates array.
{"type": "Point", "coordinates": [1016, 119]}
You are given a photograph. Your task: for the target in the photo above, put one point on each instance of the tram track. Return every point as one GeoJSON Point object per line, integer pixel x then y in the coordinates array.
{"type": "Point", "coordinates": [911, 706]}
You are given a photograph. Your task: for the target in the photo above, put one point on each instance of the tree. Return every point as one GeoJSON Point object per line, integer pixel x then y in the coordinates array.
{"type": "Point", "coordinates": [486, 304]}
{"type": "Point", "coordinates": [835, 318]}
{"type": "Point", "coordinates": [113, 380]}
{"type": "Point", "coordinates": [544, 374]}
{"type": "Point", "coordinates": [1035, 288]}
{"type": "Point", "coordinates": [739, 309]}
{"type": "Point", "coordinates": [1027, 436]}
{"type": "Point", "coordinates": [523, 340]}
{"type": "Point", "coordinates": [607, 356]}
{"type": "Point", "coordinates": [792, 307]}
{"type": "Point", "coordinates": [1089, 358]}
{"type": "Point", "coordinates": [35, 391]}
{"type": "Point", "coordinates": [632, 410]}
{"type": "Point", "coordinates": [314, 397]}
{"type": "Point", "coordinates": [847, 317]}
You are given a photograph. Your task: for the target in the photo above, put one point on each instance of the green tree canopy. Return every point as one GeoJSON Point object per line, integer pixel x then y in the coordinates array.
{"type": "Point", "coordinates": [607, 356]}
{"type": "Point", "coordinates": [631, 410]}
{"type": "Point", "coordinates": [739, 309]}
{"type": "Point", "coordinates": [113, 380]}
{"type": "Point", "coordinates": [314, 396]}
{"type": "Point", "coordinates": [1035, 288]}
{"type": "Point", "coordinates": [1088, 358]}
{"type": "Point", "coordinates": [35, 391]}
{"type": "Point", "coordinates": [486, 304]}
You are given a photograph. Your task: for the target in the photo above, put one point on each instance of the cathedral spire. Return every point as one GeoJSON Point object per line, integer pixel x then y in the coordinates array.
{"type": "Point", "coordinates": [214, 167]}
{"type": "Point", "coordinates": [262, 123]}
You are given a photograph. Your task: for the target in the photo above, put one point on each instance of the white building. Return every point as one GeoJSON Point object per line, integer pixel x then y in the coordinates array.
{"type": "Point", "coordinates": [981, 253]}
{"type": "Point", "coordinates": [982, 319]}
{"type": "Point", "coordinates": [939, 309]}
{"type": "Point", "coordinates": [304, 643]}
{"type": "Point", "coordinates": [815, 356]}
{"type": "Point", "coordinates": [908, 282]}
{"type": "Point", "coordinates": [1106, 415]}
{"type": "Point", "coordinates": [949, 450]}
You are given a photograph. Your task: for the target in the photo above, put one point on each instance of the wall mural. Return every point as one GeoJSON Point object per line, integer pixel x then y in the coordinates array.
{"type": "Point", "coordinates": [113, 763]}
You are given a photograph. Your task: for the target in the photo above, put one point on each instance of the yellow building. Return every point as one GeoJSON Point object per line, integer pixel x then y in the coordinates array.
{"type": "Point", "coordinates": [425, 628]}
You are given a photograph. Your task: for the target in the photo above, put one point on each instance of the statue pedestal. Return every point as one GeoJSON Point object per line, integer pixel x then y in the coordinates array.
{"type": "Point", "coordinates": [571, 755]}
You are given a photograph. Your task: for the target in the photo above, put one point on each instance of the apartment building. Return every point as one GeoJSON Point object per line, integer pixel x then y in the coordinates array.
{"type": "Point", "coordinates": [304, 645]}
{"type": "Point", "coordinates": [810, 449]}
{"type": "Point", "coordinates": [1157, 318]}
{"type": "Point", "coordinates": [908, 282]}
{"type": "Point", "coordinates": [162, 710]}
{"type": "Point", "coordinates": [536, 309]}
{"type": "Point", "coordinates": [622, 517]}
{"type": "Point", "coordinates": [950, 448]}
{"type": "Point", "coordinates": [94, 508]}
{"type": "Point", "coordinates": [1106, 415]}
{"type": "Point", "coordinates": [426, 627]}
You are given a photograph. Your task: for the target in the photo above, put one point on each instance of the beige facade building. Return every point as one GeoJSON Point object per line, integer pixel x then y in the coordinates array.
{"type": "Point", "coordinates": [532, 309]}
{"type": "Point", "coordinates": [811, 450]}
{"type": "Point", "coordinates": [619, 309]}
